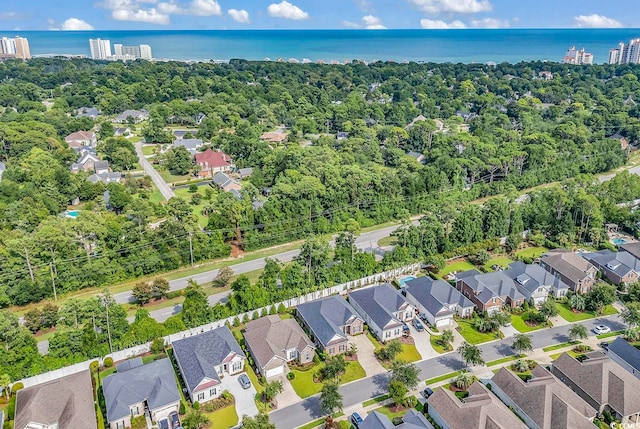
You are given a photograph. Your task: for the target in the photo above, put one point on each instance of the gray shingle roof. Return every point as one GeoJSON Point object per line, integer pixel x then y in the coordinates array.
{"type": "Point", "coordinates": [189, 144]}
{"type": "Point", "coordinates": [379, 302]}
{"type": "Point", "coordinates": [632, 248]}
{"type": "Point", "coordinates": [528, 277]}
{"type": "Point", "coordinates": [437, 296]}
{"type": "Point", "coordinates": [326, 317]}
{"type": "Point", "coordinates": [620, 263]}
{"type": "Point", "coordinates": [67, 401]}
{"type": "Point", "coordinates": [545, 400]}
{"type": "Point", "coordinates": [154, 382]}
{"type": "Point", "coordinates": [491, 285]}
{"type": "Point", "coordinates": [569, 264]}
{"type": "Point", "coordinates": [376, 420]}
{"type": "Point", "coordinates": [199, 355]}
{"type": "Point", "coordinates": [221, 180]}
{"type": "Point", "coordinates": [626, 352]}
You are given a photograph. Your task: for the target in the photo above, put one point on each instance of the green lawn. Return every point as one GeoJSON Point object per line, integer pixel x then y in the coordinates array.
{"type": "Point", "coordinates": [531, 252]}
{"type": "Point", "coordinates": [503, 261]}
{"type": "Point", "coordinates": [409, 352]}
{"type": "Point", "coordinates": [471, 334]}
{"type": "Point", "coordinates": [609, 335]}
{"type": "Point", "coordinates": [223, 419]}
{"type": "Point", "coordinates": [170, 178]}
{"type": "Point", "coordinates": [316, 423]}
{"type": "Point", "coordinates": [375, 400]}
{"type": "Point", "coordinates": [388, 241]}
{"type": "Point", "coordinates": [386, 410]}
{"type": "Point", "coordinates": [437, 347]}
{"type": "Point", "coordinates": [518, 322]}
{"type": "Point", "coordinates": [197, 209]}
{"type": "Point", "coordinates": [568, 314]}
{"type": "Point", "coordinates": [503, 360]}
{"type": "Point", "coordinates": [443, 377]}
{"type": "Point", "coordinates": [560, 346]}
{"type": "Point", "coordinates": [149, 150]}
{"type": "Point", "coordinates": [457, 267]}
{"type": "Point", "coordinates": [304, 385]}
{"type": "Point", "coordinates": [570, 352]}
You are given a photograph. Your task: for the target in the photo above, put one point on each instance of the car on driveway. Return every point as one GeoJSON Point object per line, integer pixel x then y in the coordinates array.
{"type": "Point", "coordinates": [163, 424]}
{"type": "Point", "coordinates": [601, 329]}
{"type": "Point", "coordinates": [175, 420]}
{"type": "Point", "coordinates": [427, 392]}
{"type": "Point", "coordinates": [423, 317]}
{"type": "Point", "coordinates": [604, 345]}
{"type": "Point", "coordinates": [418, 325]}
{"type": "Point", "coordinates": [405, 330]}
{"type": "Point", "coordinates": [244, 381]}
{"type": "Point", "coordinates": [356, 420]}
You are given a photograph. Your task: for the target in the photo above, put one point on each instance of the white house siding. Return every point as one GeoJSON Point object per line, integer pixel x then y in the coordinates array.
{"type": "Point", "coordinates": [274, 371]}
{"type": "Point", "coordinates": [163, 412]}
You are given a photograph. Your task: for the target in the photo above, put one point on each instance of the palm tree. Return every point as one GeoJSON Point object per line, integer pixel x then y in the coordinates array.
{"type": "Point", "coordinates": [464, 380]}
{"type": "Point", "coordinates": [578, 332]}
{"type": "Point", "coordinates": [577, 302]}
{"type": "Point", "coordinates": [445, 339]}
{"type": "Point", "coordinates": [521, 365]}
{"type": "Point", "coordinates": [5, 381]}
{"type": "Point", "coordinates": [271, 390]}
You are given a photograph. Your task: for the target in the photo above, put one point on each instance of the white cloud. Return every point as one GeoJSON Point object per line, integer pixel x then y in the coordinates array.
{"type": "Point", "coordinates": [195, 8]}
{"type": "Point", "coordinates": [12, 16]}
{"type": "Point", "coordinates": [454, 6]}
{"type": "Point", "coordinates": [595, 21]}
{"type": "Point", "coordinates": [286, 10]}
{"type": "Point", "coordinates": [152, 15]}
{"type": "Point", "coordinates": [75, 24]}
{"type": "Point", "coordinates": [350, 24]}
{"type": "Point", "coordinates": [241, 16]}
{"type": "Point", "coordinates": [490, 23]}
{"type": "Point", "coordinates": [438, 24]}
{"type": "Point", "coordinates": [373, 23]}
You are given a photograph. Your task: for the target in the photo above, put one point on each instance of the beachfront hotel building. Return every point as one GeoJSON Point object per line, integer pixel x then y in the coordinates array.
{"type": "Point", "coordinates": [626, 53]}
{"type": "Point", "coordinates": [577, 57]}
{"type": "Point", "coordinates": [100, 49]}
{"type": "Point", "coordinates": [15, 47]}
{"type": "Point", "coordinates": [124, 52]}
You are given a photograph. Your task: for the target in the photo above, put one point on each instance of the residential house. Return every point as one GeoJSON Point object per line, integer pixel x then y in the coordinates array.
{"type": "Point", "coordinates": [330, 321]}
{"type": "Point", "coordinates": [546, 75]}
{"type": "Point", "coordinates": [86, 162]}
{"type": "Point", "coordinates": [101, 167]}
{"type": "Point", "coordinates": [384, 310]}
{"type": "Point", "coordinates": [112, 177]}
{"type": "Point", "coordinates": [121, 131]}
{"type": "Point", "coordinates": [81, 138]}
{"type": "Point", "coordinates": [88, 112]}
{"type": "Point", "coordinates": [438, 300]}
{"type": "Point", "coordinates": [624, 143]}
{"type": "Point", "coordinates": [211, 162]}
{"type": "Point", "coordinates": [466, 116]}
{"type": "Point", "coordinates": [66, 402]}
{"type": "Point", "coordinates": [191, 145]}
{"type": "Point", "coordinates": [535, 283]}
{"type": "Point", "coordinates": [204, 359]}
{"type": "Point", "coordinates": [243, 173]}
{"type": "Point", "coordinates": [602, 383]}
{"type": "Point", "coordinates": [625, 355]}
{"type": "Point", "coordinates": [276, 137]}
{"type": "Point", "coordinates": [578, 273]}
{"type": "Point", "coordinates": [136, 115]}
{"type": "Point", "coordinates": [226, 183]}
{"type": "Point", "coordinates": [417, 156]}
{"type": "Point", "coordinates": [272, 342]}
{"type": "Point", "coordinates": [489, 291]}
{"type": "Point", "coordinates": [341, 135]}
{"type": "Point", "coordinates": [619, 267]}
{"type": "Point", "coordinates": [412, 419]}
{"type": "Point", "coordinates": [543, 402]}
{"type": "Point", "coordinates": [480, 410]}
{"type": "Point", "coordinates": [137, 389]}
{"type": "Point", "coordinates": [631, 248]}
{"type": "Point", "coordinates": [180, 134]}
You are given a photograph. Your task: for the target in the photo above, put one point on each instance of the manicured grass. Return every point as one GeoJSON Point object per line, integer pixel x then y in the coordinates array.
{"type": "Point", "coordinates": [386, 410]}
{"type": "Point", "coordinates": [197, 209]}
{"type": "Point", "coordinates": [443, 377]}
{"type": "Point", "coordinates": [518, 322]}
{"type": "Point", "coordinates": [437, 347]}
{"type": "Point", "coordinates": [471, 334]}
{"type": "Point", "coordinates": [570, 352]}
{"type": "Point", "coordinates": [457, 267]}
{"type": "Point", "coordinates": [502, 261]}
{"type": "Point", "coordinates": [409, 352]}
{"type": "Point", "coordinates": [304, 385]}
{"type": "Point", "coordinates": [224, 418]}
{"type": "Point", "coordinates": [354, 372]}
{"type": "Point", "coordinates": [503, 360]}
{"type": "Point", "coordinates": [388, 241]}
{"type": "Point", "coordinates": [149, 150]}
{"type": "Point", "coordinates": [567, 314]}
{"type": "Point", "coordinates": [531, 252]}
{"type": "Point", "coordinates": [316, 423]}
{"type": "Point", "coordinates": [375, 400]}
{"type": "Point", "coordinates": [170, 178]}
{"type": "Point", "coordinates": [560, 346]}
{"type": "Point", "coordinates": [610, 334]}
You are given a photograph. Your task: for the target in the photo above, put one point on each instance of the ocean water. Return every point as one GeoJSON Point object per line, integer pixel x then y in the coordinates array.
{"type": "Point", "coordinates": [466, 46]}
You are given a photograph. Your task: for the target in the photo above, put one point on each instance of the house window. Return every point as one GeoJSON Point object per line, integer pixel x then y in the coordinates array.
{"type": "Point", "coordinates": [396, 332]}
{"type": "Point", "coordinates": [407, 316]}
{"type": "Point", "coordinates": [292, 354]}
{"type": "Point", "coordinates": [387, 334]}
{"type": "Point", "coordinates": [212, 392]}
{"type": "Point", "coordinates": [237, 366]}
{"type": "Point", "coordinates": [307, 357]}
{"type": "Point", "coordinates": [135, 410]}
{"type": "Point", "coordinates": [332, 350]}
{"type": "Point", "coordinates": [341, 348]}
{"type": "Point", "coordinates": [200, 396]}
{"type": "Point", "coordinates": [356, 328]}
{"type": "Point", "coordinates": [120, 424]}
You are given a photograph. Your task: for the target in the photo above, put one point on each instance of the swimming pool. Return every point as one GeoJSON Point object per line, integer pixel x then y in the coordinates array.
{"type": "Point", "coordinates": [403, 281]}
{"type": "Point", "coordinates": [618, 241]}
{"type": "Point", "coordinates": [71, 214]}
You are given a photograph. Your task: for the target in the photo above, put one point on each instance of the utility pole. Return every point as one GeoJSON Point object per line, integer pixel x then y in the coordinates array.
{"type": "Point", "coordinates": [53, 282]}
{"type": "Point", "coordinates": [191, 246]}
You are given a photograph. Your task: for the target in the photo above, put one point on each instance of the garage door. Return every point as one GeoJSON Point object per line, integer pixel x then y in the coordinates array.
{"type": "Point", "coordinates": [274, 371]}
{"type": "Point", "coordinates": [539, 300]}
{"type": "Point", "coordinates": [443, 322]}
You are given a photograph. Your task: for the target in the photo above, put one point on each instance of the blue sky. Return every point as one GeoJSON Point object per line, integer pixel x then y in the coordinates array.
{"type": "Point", "coordinates": [314, 14]}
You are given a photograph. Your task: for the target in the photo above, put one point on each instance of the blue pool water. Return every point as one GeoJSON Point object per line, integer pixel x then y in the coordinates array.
{"type": "Point", "coordinates": [618, 241]}
{"type": "Point", "coordinates": [72, 213]}
{"type": "Point", "coordinates": [403, 282]}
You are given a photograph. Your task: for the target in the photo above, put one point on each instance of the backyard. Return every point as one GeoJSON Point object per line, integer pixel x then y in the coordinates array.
{"type": "Point", "coordinates": [457, 267]}
{"type": "Point", "coordinates": [570, 316]}
{"type": "Point", "coordinates": [531, 252]}
{"type": "Point", "coordinates": [502, 261]}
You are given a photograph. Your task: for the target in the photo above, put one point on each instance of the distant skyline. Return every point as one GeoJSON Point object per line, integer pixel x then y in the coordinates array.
{"type": "Point", "coordinates": [21, 15]}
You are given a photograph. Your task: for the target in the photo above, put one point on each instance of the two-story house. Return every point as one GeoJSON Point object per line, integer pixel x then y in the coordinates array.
{"type": "Point", "coordinates": [489, 291]}
{"type": "Point", "coordinates": [384, 310]}
{"type": "Point", "coordinates": [574, 270]}
{"type": "Point", "coordinates": [438, 300]}
{"type": "Point", "coordinates": [619, 267]}
{"type": "Point", "coordinates": [330, 321]}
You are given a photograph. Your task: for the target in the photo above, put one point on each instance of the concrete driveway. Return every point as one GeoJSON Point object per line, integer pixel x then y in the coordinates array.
{"type": "Point", "coordinates": [366, 355]}
{"type": "Point", "coordinates": [422, 342]}
{"type": "Point", "coordinates": [288, 396]}
{"type": "Point", "coordinates": [244, 397]}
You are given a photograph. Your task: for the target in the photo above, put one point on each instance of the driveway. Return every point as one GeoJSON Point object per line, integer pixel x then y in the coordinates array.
{"type": "Point", "coordinates": [509, 331]}
{"type": "Point", "coordinates": [422, 342]}
{"type": "Point", "coordinates": [165, 190]}
{"type": "Point", "coordinates": [366, 355]}
{"type": "Point", "coordinates": [244, 397]}
{"type": "Point", "coordinates": [288, 396]}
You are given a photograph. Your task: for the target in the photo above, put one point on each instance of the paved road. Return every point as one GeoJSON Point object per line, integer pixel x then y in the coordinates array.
{"type": "Point", "coordinates": [367, 241]}
{"type": "Point", "coordinates": [606, 177]}
{"type": "Point", "coordinates": [359, 391]}
{"type": "Point", "coordinates": [165, 190]}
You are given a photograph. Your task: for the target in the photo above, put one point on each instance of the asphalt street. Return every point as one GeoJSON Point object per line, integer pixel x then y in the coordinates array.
{"type": "Point", "coordinates": [165, 190]}
{"type": "Point", "coordinates": [361, 390]}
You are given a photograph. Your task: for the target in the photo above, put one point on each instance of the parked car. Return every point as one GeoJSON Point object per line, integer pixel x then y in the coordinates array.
{"type": "Point", "coordinates": [418, 325]}
{"type": "Point", "coordinates": [163, 424]}
{"type": "Point", "coordinates": [604, 345]}
{"type": "Point", "coordinates": [175, 420]}
{"type": "Point", "coordinates": [356, 420]}
{"type": "Point", "coordinates": [423, 317]}
{"type": "Point", "coordinates": [405, 330]}
{"type": "Point", "coordinates": [244, 381]}
{"type": "Point", "coordinates": [601, 329]}
{"type": "Point", "coordinates": [427, 392]}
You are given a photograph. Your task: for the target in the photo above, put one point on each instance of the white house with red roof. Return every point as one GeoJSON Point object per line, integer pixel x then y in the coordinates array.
{"type": "Point", "coordinates": [212, 162]}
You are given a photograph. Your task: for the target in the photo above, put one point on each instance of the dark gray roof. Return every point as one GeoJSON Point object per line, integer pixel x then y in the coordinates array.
{"type": "Point", "coordinates": [245, 172]}
{"type": "Point", "coordinates": [491, 285]}
{"type": "Point", "coordinates": [154, 382]}
{"type": "Point", "coordinates": [437, 296]}
{"type": "Point", "coordinates": [67, 401]}
{"type": "Point", "coordinates": [415, 155]}
{"type": "Point", "coordinates": [132, 113]}
{"type": "Point", "coordinates": [379, 302]}
{"type": "Point", "coordinates": [569, 264]}
{"type": "Point", "coordinates": [99, 165]}
{"type": "Point", "coordinates": [632, 248]}
{"type": "Point", "coordinates": [620, 263]}
{"type": "Point", "coordinates": [411, 420]}
{"type": "Point", "coordinates": [528, 277]}
{"type": "Point", "coordinates": [326, 316]}
{"type": "Point", "coordinates": [626, 352]}
{"type": "Point", "coordinates": [376, 420]}
{"type": "Point", "coordinates": [221, 179]}
{"type": "Point", "coordinates": [199, 355]}
{"type": "Point", "coordinates": [189, 144]}
{"type": "Point", "coordinates": [129, 364]}
{"type": "Point", "coordinates": [88, 112]}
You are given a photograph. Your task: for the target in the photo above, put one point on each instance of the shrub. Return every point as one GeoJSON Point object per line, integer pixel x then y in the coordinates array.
{"type": "Point", "coordinates": [17, 386]}
{"type": "Point", "coordinates": [108, 362]}
{"type": "Point", "coordinates": [174, 294]}
{"type": "Point", "coordinates": [182, 409]}
{"type": "Point", "coordinates": [236, 321]}
{"type": "Point", "coordinates": [157, 346]}
{"type": "Point", "coordinates": [11, 408]}
{"type": "Point", "coordinates": [525, 306]}
{"type": "Point", "coordinates": [93, 366]}
{"type": "Point", "coordinates": [193, 188]}
{"type": "Point", "coordinates": [291, 375]}
{"type": "Point", "coordinates": [196, 405]}
{"type": "Point", "coordinates": [282, 309]}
